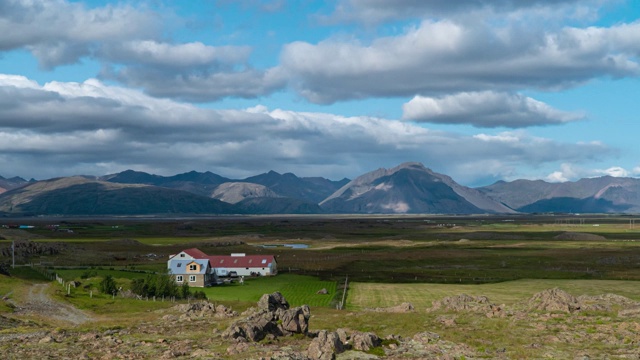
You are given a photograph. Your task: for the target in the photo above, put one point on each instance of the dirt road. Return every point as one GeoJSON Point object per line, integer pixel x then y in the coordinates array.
{"type": "Point", "coordinates": [39, 303]}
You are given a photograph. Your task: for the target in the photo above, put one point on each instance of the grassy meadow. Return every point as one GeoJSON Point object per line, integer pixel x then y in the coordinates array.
{"type": "Point", "coordinates": [379, 254]}
{"type": "Point", "coordinates": [297, 289]}
{"type": "Point", "coordinates": [372, 295]}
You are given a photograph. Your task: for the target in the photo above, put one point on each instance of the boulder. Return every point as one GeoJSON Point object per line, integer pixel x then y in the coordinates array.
{"type": "Point", "coordinates": [273, 302]}
{"type": "Point", "coordinates": [325, 346]}
{"type": "Point", "coordinates": [294, 320]}
{"type": "Point", "coordinates": [272, 318]}
{"type": "Point", "coordinates": [365, 341]}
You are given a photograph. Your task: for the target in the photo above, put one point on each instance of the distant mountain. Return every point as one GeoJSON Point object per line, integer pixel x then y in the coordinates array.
{"type": "Point", "coordinates": [280, 205]}
{"type": "Point", "coordinates": [312, 189]}
{"type": "Point", "coordinates": [593, 195]}
{"type": "Point", "coordinates": [193, 181]}
{"type": "Point", "coordinates": [573, 205]}
{"type": "Point", "coordinates": [234, 192]}
{"type": "Point", "coordinates": [12, 183]}
{"type": "Point", "coordinates": [408, 188]}
{"type": "Point", "coordinates": [82, 196]}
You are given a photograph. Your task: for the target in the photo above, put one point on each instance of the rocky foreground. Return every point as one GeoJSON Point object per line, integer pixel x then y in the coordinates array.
{"type": "Point", "coordinates": [551, 324]}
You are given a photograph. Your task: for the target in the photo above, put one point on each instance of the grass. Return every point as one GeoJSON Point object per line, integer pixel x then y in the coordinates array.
{"type": "Point", "coordinates": [371, 295]}
{"type": "Point", "coordinates": [77, 274]}
{"type": "Point", "coordinates": [297, 289]}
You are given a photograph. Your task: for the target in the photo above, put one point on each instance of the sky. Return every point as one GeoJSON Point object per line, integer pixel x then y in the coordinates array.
{"type": "Point", "coordinates": [479, 90]}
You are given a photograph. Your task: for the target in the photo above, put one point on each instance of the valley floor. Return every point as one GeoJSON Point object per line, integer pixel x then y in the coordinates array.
{"type": "Point", "coordinates": [550, 324]}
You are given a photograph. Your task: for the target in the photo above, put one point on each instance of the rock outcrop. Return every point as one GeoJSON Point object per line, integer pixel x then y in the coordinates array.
{"type": "Point", "coordinates": [202, 309]}
{"type": "Point", "coordinates": [325, 346]}
{"type": "Point", "coordinates": [554, 300]}
{"type": "Point", "coordinates": [272, 317]}
{"type": "Point", "coordinates": [401, 308]}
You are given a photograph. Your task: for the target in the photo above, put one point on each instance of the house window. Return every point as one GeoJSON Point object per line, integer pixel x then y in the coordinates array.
{"type": "Point", "coordinates": [264, 261]}
{"type": "Point", "coordinates": [179, 278]}
{"type": "Point", "coordinates": [181, 255]}
{"type": "Point", "coordinates": [179, 265]}
{"type": "Point", "coordinates": [192, 278]}
{"type": "Point", "coordinates": [193, 267]}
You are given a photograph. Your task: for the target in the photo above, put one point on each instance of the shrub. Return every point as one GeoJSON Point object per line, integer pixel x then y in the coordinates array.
{"type": "Point", "coordinates": [108, 285]}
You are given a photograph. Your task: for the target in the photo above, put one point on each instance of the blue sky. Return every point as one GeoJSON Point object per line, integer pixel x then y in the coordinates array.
{"type": "Point", "coordinates": [479, 90]}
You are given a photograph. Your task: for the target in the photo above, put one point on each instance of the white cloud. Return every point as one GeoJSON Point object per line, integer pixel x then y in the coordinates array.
{"type": "Point", "coordinates": [167, 55]}
{"type": "Point", "coordinates": [195, 85]}
{"type": "Point", "coordinates": [443, 57]}
{"type": "Point", "coordinates": [615, 171]}
{"type": "Point", "coordinates": [60, 32]}
{"type": "Point", "coordinates": [485, 109]}
{"type": "Point", "coordinates": [571, 172]}
{"type": "Point", "coordinates": [566, 173]}
{"type": "Point", "coordinates": [80, 127]}
{"type": "Point", "coordinates": [375, 11]}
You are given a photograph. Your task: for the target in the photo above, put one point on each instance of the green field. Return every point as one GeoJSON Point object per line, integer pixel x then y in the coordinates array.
{"type": "Point", "coordinates": [297, 289]}
{"type": "Point", "coordinates": [370, 295]}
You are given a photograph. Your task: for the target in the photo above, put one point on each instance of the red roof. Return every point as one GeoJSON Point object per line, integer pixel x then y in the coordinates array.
{"type": "Point", "coordinates": [195, 253]}
{"type": "Point", "coordinates": [228, 261]}
{"type": "Point", "coordinates": [246, 261]}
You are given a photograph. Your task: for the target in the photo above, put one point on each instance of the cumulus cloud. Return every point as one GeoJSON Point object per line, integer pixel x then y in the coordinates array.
{"type": "Point", "coordinates": [615, 171]}
{"type": "Point", "coordinates": [566, 173]}
{"type": "Point", "coordinates": [445, 56]}
{"type": "Point", "coordinates": [96, 127]}
{"type": "Point", "coordinates": [376, 11]}
{"type": "Point", "coordinates": [59, 32]}
{"type": "Point", "coordinates": [485, 109]}
{"type": "Point", "coordinates": [572, 172]}
{"type": "Point", "coordinates": [125, 39]}
{"type": "Point", "coordinates": [167, 55]}
{"type": "Point", "coordinates": [191, 71]}
{"type": "Point", "coordinates": [199, 85]}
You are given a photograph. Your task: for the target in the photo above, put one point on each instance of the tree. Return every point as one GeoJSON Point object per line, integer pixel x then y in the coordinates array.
{"type": "Point", "coordinates": [184, 290]}
{"type": "Point", "coordinates": [108, 285]}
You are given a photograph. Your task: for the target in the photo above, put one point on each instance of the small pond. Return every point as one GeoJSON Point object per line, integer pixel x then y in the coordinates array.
{"type": "Point", "coordinates": [292, 246]}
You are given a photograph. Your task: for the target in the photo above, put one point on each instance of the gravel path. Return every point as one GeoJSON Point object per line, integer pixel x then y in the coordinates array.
{"type": "Point", "coordinates": [40, 303]}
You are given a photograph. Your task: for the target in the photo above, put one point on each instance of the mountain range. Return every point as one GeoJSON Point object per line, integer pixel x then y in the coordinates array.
{"type": "Point", "coordinates": [409, 188]}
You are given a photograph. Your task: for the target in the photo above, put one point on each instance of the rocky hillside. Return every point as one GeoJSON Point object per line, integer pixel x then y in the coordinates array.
{"type": "Point", "coordinates": [594, 195]}
{"type": "Point", "coordinates": [82, 196]}
{"type": "Point", "coordinates": [313, 189]}
{"type": "Point", "coordinates": [193, 181]}
{"type": "Point", "coordinates": [12, 183]}
{"type": "Point", "coordinates": [234, 192]}
{"type": "Point", "coordinates": [408, 188]}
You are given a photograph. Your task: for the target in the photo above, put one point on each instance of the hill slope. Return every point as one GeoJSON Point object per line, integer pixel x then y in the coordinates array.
{"type": "Point", "coordinates": [593, 195]}
{"type": "Point", "coordinates": [82, 196]}
{"type": "Point", "coordinates": [313, 189]}
{"type": "Point", "coordinates": [408, 188]}
{"type": "Point", "coordinates": [234, 192]}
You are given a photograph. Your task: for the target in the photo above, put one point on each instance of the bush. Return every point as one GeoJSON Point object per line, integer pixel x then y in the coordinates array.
{"type": "Point", "coordinates": [184, 290]}
{"type": "Point", "coordinates": [108, 285]}
{"type": "Point", "coordinates": [200, 295]}
{"type": "Point", "coordinates": [159, 285]}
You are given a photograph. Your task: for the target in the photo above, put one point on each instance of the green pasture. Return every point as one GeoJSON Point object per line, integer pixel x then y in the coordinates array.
{"type": "Point", "coordinates": [77, 274]}
{"type": "Point", "coordinates": [297, 289]}
{"type": "Point", "coordinates": [372, 295]}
